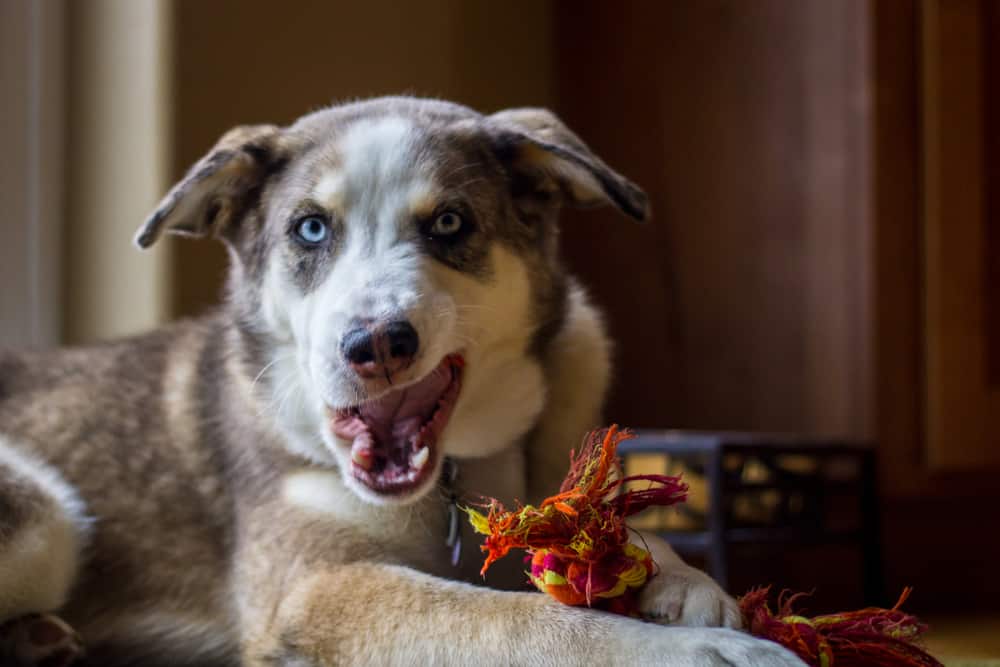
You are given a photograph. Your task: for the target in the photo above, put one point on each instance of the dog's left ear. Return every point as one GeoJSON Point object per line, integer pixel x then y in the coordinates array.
{"type": "Point", "coordinates": [213, 195]}
{"type": "Point", "coordinates": [537, 145]}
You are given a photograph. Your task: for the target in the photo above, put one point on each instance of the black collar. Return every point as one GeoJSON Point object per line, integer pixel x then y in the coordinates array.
{"type": "Point", "coordinates": [450, 495]}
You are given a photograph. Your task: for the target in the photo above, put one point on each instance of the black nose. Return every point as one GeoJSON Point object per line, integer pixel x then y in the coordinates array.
{"type": "Point", "coordinates": [403, 340]}
{"type": "Point", "coordinates": [358, 346]}
{"type": "Point", "coordinates": [380, 352]}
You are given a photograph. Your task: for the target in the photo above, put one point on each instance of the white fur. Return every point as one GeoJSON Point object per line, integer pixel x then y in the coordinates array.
{"type": "Point", "coordinates": [489, 323]}
{"type": "Point", "coordinates": [330, 190]}
{"type": "Point", "coordinates": [579, 370]}
{"type": "Point", "coordinates": [38, 564]}
{"type": "Point", "coordinates": [323, 492]}
{"type": "Point", "coordinates": [283, 387]}
{"type": "Point", "coordinates": [503, 390]}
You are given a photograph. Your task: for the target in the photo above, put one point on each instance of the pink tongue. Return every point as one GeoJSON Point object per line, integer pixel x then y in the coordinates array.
{"type": "Point", "coordinates": [396, 417]}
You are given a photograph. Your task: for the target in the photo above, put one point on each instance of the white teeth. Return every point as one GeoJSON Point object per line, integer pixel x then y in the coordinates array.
{"type": "Point", "coordinates": [362, 461]}
{"type": "Point", "coordinates": [419, 458]}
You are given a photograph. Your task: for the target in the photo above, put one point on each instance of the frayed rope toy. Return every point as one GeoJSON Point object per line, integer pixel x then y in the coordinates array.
{"type": "Point", "coordinates": [580, 554]}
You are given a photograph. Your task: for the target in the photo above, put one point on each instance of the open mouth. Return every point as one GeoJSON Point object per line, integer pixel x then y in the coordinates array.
{"type": "Point", "coordinates": [394, 437]}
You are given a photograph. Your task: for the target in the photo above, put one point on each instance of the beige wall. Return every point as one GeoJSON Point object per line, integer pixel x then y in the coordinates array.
{"type": "Point", "coordinates": [236, 63]}
{"type": "Point", "coordinates": [31, 134]}
{"type": "Point", "coordinates": [119, 104]}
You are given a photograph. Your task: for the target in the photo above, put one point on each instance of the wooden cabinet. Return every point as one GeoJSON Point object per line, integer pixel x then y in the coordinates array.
{"type": "Point", "coordinates": [959, 134]}
{"type": "Point", "coordinates": [936, 247]}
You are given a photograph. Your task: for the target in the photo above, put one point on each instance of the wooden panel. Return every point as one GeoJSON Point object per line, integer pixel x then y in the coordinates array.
{"type": "Point", "coordinates": [962, 429]}
{"type": "Point", "coordinates": [897, 316]}
{"type": "Point", "coordinates": [238, 61]}
{"type": "Point", "coordinates": [933, 519]}
{"type": "Point", "coordinates": [991, 84]}
{"type": "Point", "coordinates": [838, 218]}
{"type": "Point", "coordinates": [743, 304]}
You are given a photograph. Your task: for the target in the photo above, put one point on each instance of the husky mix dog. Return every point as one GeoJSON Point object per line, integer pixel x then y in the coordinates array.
{"type": "Point", "coordinates": [263, 485]}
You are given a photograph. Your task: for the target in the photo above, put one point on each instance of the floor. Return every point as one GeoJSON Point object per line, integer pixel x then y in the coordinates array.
{"type": "Point", "coordinates": [965, 641]}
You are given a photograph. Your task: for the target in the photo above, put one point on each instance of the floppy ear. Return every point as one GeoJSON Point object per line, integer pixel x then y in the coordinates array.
{"type": "Point", "coordinates": [215, 192]}
{"type": "Point", "coordinates": [536, 144]}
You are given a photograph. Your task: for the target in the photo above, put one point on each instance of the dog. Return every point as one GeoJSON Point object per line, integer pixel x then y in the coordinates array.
{"type": "Point", "coordinates": [274, 483]}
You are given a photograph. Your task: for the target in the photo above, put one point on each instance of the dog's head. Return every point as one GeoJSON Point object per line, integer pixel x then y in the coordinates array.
{"type": "Point", "coordinates": [395, 264]}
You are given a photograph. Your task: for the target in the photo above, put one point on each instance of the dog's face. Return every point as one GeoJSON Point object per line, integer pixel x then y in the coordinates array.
{"type": "Point", "coordinates": [395, 265]}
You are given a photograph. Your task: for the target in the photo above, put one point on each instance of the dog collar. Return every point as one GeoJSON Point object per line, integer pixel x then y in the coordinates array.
{"type": "Point", "coordinates": [449, 493]}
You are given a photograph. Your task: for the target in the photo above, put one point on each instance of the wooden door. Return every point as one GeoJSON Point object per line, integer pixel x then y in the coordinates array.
{"type": "Point", "coordinates": [935, 304]}
{"type": "Point", "coordinates": [960, 126]}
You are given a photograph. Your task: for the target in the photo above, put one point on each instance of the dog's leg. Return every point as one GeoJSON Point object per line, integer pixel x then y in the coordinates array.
{"type": "Point", "coordinates": [370, 614]}
{"type": "Point", "coordinates": [578, 368]}
{"type": "Point", "coordinates": [680, 594]}
{"type": "Point", "coordinates": [39, 640]}
{"type": "Point", "coordinates": [41, 530]}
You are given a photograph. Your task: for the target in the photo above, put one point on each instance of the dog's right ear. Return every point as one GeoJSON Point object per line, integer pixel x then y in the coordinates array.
{"type": "Point", "coordinates": [211, 197]}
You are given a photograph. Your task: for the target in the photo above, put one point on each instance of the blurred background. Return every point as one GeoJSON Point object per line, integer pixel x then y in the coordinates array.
{"type": "Point", "coordinates": [824, 257]}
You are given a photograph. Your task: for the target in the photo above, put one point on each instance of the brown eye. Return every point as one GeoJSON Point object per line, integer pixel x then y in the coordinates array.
{"type": "Point", "coordinates": [446, 224]}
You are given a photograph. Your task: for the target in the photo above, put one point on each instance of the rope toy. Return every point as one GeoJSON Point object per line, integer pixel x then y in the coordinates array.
{"type": "Point", "coordinates": [577, 543]}
{"type": "Point", "coordinates": [869, 637]}
{"type": "Point", "coordinates": [577, 539]}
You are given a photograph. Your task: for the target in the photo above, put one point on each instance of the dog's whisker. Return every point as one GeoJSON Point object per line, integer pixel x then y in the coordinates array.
{"type": "Point", "coordinates": [278, 359]}
{"type": "Point", "coordinates": [280, 395]}
{"type": "Point", "coordinates": [469, 182]}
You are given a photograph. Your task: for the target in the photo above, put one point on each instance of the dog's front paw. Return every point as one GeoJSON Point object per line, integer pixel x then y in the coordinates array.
{"type": "Point", "coordinates": [697, 647]}
{"type": "Point", "coordinates": [728, 648]}
{"type": "Point", "coordinates": [39, 640]}
{"type": "Point", "coordinates": [685, 596]}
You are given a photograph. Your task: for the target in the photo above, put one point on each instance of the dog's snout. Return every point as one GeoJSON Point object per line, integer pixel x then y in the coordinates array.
{"type": "Point", "coordinates": [380, 351]}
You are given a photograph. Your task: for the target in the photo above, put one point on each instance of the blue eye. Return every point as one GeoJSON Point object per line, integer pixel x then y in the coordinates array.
{"type": "Point", "coordinates": [312, 230]}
